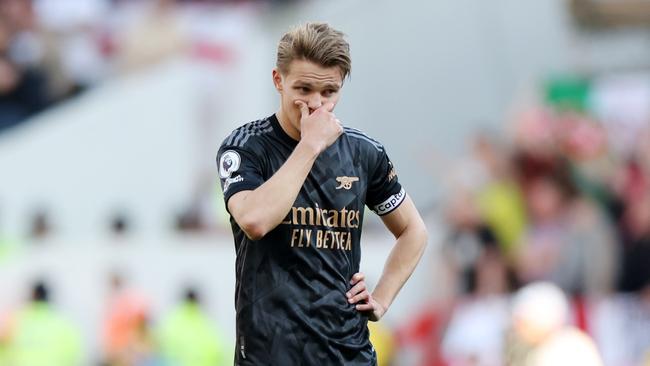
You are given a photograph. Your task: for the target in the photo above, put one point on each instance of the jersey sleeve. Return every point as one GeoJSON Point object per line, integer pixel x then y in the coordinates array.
{"type": "Point", "coordinates": [240, 169]}
{"type": "Point", "coordinates": [384, 190]}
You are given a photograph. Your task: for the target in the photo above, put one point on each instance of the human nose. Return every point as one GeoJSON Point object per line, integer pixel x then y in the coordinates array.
{"type": "Point", "coordinates": [314, 101]}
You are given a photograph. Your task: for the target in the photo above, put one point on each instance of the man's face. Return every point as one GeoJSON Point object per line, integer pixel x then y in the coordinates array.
{"type": "Point", "coordinates": [308, 82]}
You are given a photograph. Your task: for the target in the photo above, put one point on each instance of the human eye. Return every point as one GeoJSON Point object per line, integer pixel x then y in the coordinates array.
{"type": "Point", "coordinates": [329, 92]}
{"type": "Point", "coordinates": [303, 89]}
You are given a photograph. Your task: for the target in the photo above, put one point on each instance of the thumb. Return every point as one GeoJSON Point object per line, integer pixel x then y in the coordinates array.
{"type": "Point", "coordinates": [304, 109]}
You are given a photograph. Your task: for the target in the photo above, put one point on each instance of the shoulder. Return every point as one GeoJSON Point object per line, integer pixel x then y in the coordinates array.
{"type": "Point", "coordinates": [359, 137]}
{"type": "Point", "coordinates": [248, 135]}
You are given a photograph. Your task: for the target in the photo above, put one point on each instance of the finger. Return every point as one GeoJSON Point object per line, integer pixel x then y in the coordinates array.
{"type": "Point", "coordinates": [304, 109]}
{"type": "Point", "coordinates": [356, 289]}
{"type": "Point", "coordinates": [365, 307]}
{"type": "Point", "coordinates": [329, 106]}
{"type": "Point", "coordinates": [362, 297]}
{"type": "Point", "coordinates": [357, 277]}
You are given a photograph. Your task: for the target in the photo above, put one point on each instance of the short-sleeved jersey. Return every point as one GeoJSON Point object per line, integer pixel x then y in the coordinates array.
{"type": "Point", "coordinates": [291, 284]}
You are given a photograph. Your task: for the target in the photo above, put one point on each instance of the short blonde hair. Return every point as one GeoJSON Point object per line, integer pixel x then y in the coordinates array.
{"type": "Point", "coordinates": [315, 42]}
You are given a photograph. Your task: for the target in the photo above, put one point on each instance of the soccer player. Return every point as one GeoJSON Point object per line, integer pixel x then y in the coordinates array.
{"type": "Point", "coordinates": [295, 184]}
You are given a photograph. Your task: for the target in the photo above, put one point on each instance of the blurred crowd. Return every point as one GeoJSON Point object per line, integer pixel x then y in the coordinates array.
{"type": "Point", "coordinates": [39, 335]}
{"type": "Point", "coordinates": [23, 59]}
{"type": "Point", "coordinates": [562, 198]}
{"type": "Point", "coordinates": [548, 223]}
{"type": "Point", "coordinates": [51, 50]}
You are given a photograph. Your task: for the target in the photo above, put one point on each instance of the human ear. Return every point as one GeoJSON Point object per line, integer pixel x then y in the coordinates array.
{"type": "Point", "coordinates": [277, 79]}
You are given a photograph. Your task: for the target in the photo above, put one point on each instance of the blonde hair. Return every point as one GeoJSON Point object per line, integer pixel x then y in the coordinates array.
{"type": "Point", "coordinates": [315, 42]}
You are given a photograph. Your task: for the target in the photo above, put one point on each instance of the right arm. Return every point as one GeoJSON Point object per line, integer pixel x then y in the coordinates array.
{"type": "Point", "coordinates": [259, 211]}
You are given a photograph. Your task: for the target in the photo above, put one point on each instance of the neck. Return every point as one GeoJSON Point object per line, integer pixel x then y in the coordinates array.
{"type": "Point", "coordinates": [286, 125]}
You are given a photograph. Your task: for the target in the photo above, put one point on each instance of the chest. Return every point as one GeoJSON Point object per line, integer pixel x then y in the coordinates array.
{"type": "Point", "coordinates": [338, 178]}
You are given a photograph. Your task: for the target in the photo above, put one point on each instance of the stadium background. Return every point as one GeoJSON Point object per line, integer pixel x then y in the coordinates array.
{"type": "Point", "coordinates": [111, 113]}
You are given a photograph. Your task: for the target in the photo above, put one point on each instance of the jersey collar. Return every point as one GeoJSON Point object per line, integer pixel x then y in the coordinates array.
{"type": "Point", "coordinates": [279, 131]}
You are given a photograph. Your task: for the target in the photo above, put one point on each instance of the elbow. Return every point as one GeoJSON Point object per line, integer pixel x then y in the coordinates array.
{"type": "Point", "coordinates": [254, 233]}
{"type": "Point", "coordinates": [253, 227]}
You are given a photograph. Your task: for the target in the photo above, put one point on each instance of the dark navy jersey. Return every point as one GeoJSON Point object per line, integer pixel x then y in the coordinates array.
{"type": "Point", "coordinates": [291, 284]}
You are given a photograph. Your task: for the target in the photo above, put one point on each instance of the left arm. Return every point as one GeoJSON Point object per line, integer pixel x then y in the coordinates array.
{"type": "Point", "coordinates": [408, 228]}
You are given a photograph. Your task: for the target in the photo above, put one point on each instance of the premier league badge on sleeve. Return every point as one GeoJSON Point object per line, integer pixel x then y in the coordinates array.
{"type": "Point", "coordinates": [228, 163]}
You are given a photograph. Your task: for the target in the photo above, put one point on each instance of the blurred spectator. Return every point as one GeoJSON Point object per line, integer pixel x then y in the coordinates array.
{"type": "Point", "coordinates": [188, 338]}
{"type": "Point", "coordinates": [621, 327]}
{"type": "Point", "coordinates": [41, 227]}
{"type": "Point", "coordinates": [536, 146]}
{"type": "Point", "coordinates": [477, 327]}
{"type": "Point", "coordinates": [190, 219]}
{"type": "Point", "coordinates": [153, 38]}
{"type": "Point", "coordinates": [141, 348]}
{"type": "Point", "coordinates": [540, 334]}
{"type": "Point", "coordinates": [589, 165]}
{"type": "Point", "coordinates": [642, 152]}
{"type": "Point", "coordinates": [35, 47]}
{"type": "Point", "coordinates": [39, 336]}
{"type": "Point", "coordinates": [382, 339]}
{"type": "Point", "coordinates": [74, 31]}
{"type": "Point", "coordinates": [499, 199]}
{"type": "Point", "coordinates": [567, 242]}
{"type": "Point", "coordinates": [621, 101]}
{"type": "Point", "coordinates": [23, 91]}
{"type": "Point", "coordinates": [120, 224]}
{"type": "Point", "coordinates": [486, 214]}
{"type": "Point", "coordinates": [635, 274]}
{"type": "Point", "coordinates": [24, 47]}
{"type": "Point", "coordinates": [125, 326]}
